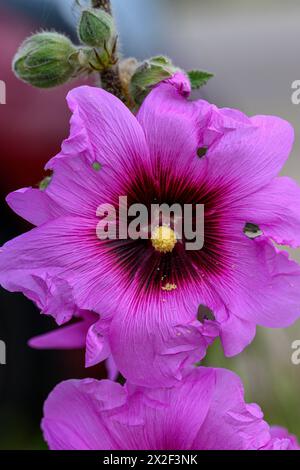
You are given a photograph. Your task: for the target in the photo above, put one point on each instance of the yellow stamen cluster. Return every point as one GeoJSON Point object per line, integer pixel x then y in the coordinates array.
{"type": "Point", "coordinates": [163, 239]}
{"type": "Point", "coordinates": [169, 287]}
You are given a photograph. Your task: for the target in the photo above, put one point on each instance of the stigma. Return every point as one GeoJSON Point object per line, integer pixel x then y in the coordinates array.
{"type": "Point", "coordinates": [163, 239]}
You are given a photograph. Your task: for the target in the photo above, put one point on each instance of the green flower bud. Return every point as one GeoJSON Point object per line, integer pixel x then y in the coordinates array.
{"type": "Point", "coordinates": [46, 60]}
{"type": "Point", "coordinates": [97, 29]}
{"type": "Point", "coordinates": [148, 74]}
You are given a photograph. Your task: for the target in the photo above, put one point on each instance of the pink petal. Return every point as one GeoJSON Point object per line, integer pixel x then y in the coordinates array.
{"type": "Point", "coordinates": [152, 342]}
{"type": "Point", "coordinates": [236, 334]}
{"type": "Point", "coordinates": [276, 210]}
{"type": "Point", "coordinates": [97, 346]}
{"type": "Point", "coordinates": [230, 423]}
{"type": "Point", "coordinates": [53, 259]}
{"type": "Point", "coordinates": [172, 124]}
{"type": "Point", "coordinates": [275, 280]}
{"type": "Point", "coordinates": [112, 370]}
{"type": "Point", "coordinates": [282, 439]}
{"type": "Point", "coordinates": [34, 205]}
{"type": "Point", "coordinates": [254, 155]}
{"type": "Point", "coordinates": [102, 130]}
{"type": "Point", "coordinates": [71, 420]}
{"type": "Point", "coordinates": [67, 337]}
{"type": "Point", "coordinates": [205, 411]}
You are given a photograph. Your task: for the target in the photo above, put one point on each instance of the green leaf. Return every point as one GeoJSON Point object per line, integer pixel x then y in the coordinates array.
{"type": "Point", "coordinates": [150, 73]}
{"type": "Point", "coordinates": [198, 78]}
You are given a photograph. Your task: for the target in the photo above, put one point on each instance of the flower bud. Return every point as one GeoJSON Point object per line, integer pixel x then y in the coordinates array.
{"type": "Point", "coordinates": [148, 74]}
{"type": "Point", "coordinates": [96, 28]}
{"type": "Point", "coordinates": [46, 60]}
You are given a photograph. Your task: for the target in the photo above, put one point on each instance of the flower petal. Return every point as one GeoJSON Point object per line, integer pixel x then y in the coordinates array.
{"type": "Point", "coordinates": [205, 411]}
{"type": "Point", "coordinates": [153, 343]}
{"type": "Point", "coordinates": [231, 424]}
{"type": "Point", "coordinates": [34, 205]}
{"type": "Point", "coordinates": [112, 370]}
{"type": "Point", "coordinates": [282, 439]}
{"type": "Point", "coordinates": [67, 337]}
{"type": "Point", "coordinates": [52, 260]}
{"type": "Point", "coordinates": [97, 346]}
{"type": "Point", "coordinates": [275, 279]}
{"type": "Point", "coordinates": [103, 130]}
{"type": "Point", "coordinates": [172, 124]}
{"type": "Point", "coordinates": [170, 417]}
{"type": "Point", "coordinates": [254, 154]}
{"type": "Point", "coordinates": [276, 210]}
{"type": "Point", "coordinates": [72, 414]}
{"type": "Point", "coordinates": [236, 334]}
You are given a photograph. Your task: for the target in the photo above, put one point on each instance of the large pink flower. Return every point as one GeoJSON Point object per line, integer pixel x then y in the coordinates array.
{"type": "Point", "coordinates": [206, 411]}
{"type": "Point", "coordinates": [153, 331]}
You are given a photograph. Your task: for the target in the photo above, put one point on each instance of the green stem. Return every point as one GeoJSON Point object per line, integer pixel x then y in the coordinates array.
{"type": "Point", "coordinates": [110, 79]}
{"type": "Point", "coordinates": [103, 4]}
{"type": "Point", "coordinates": [110, 82]}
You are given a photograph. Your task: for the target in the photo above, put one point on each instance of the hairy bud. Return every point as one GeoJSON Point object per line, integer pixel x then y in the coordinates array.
{"type": "Point", "coordinates": [96, 28]}
{"type": "Point", "coordinates": [46, 60]}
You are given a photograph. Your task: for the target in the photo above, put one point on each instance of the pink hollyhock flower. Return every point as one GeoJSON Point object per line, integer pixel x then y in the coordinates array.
{"type": "Point", "coordinates": [205, 411]}
{"type": "Point", "coordinates": [153, 331]}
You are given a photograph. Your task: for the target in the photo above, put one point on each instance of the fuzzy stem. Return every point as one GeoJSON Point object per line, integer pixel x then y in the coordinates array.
{"type": "Point", "coordinates": [110, 79]}
{"type": "Point", "coordinates": [103, 4]}
{"type": "Point", "coordinates": [110, 82]}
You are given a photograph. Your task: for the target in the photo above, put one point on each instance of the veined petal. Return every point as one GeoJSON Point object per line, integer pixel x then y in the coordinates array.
{"type": "Point", "coordinates": [205, 411]}
{"type": "Point", "coordinates": [112, 370]}
{"type": "Point", "coordinates": [232, 342]}
{"type": "Point", "coordinates": [172, 124]}
{"type": "Point", "coordinates": [79, 188]}
{"type": "Point", "coordinates": [276, 210]}
{"type": "Point", "coordinates": [103, 130]}
{"type": "Point", "coordinates": [72, 414]}
{"type": "Point", "coordinates": [52, 260]}
{"type": "Point", "coordinates": [254, 154]}
{"type": "Point", "coordinates": [230, 423]}
{"type": "Point", "coordinates": [153, 342]}
{"type": "Point", "coordinates": [67, 337]}
{"type": "Point", "coordinates": [273, 277]}
{"type": "Point", "coordinates": [34, 205]}
{"type": "Point", "coordinates": [97, 345]}
{"type": "Point", "coordinates": [282, 440]}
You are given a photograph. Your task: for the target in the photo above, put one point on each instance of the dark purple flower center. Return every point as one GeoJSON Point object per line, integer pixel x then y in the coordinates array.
{"type": "Point", "coordinates": [156, 270]}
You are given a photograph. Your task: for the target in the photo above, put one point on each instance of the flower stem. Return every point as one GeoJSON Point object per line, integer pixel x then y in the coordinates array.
{"type": "Point", "coordinates": [103, 4]}
{"type": "Point", "coordinates": [110, 80]}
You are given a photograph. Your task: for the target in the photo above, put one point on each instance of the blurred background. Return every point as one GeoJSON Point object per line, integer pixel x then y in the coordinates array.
{"type": "Point", "coordinates": [252, 47]}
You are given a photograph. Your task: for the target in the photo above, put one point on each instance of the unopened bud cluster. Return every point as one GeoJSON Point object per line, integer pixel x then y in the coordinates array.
{"type": "Point", "coordinates": [49, 59]}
